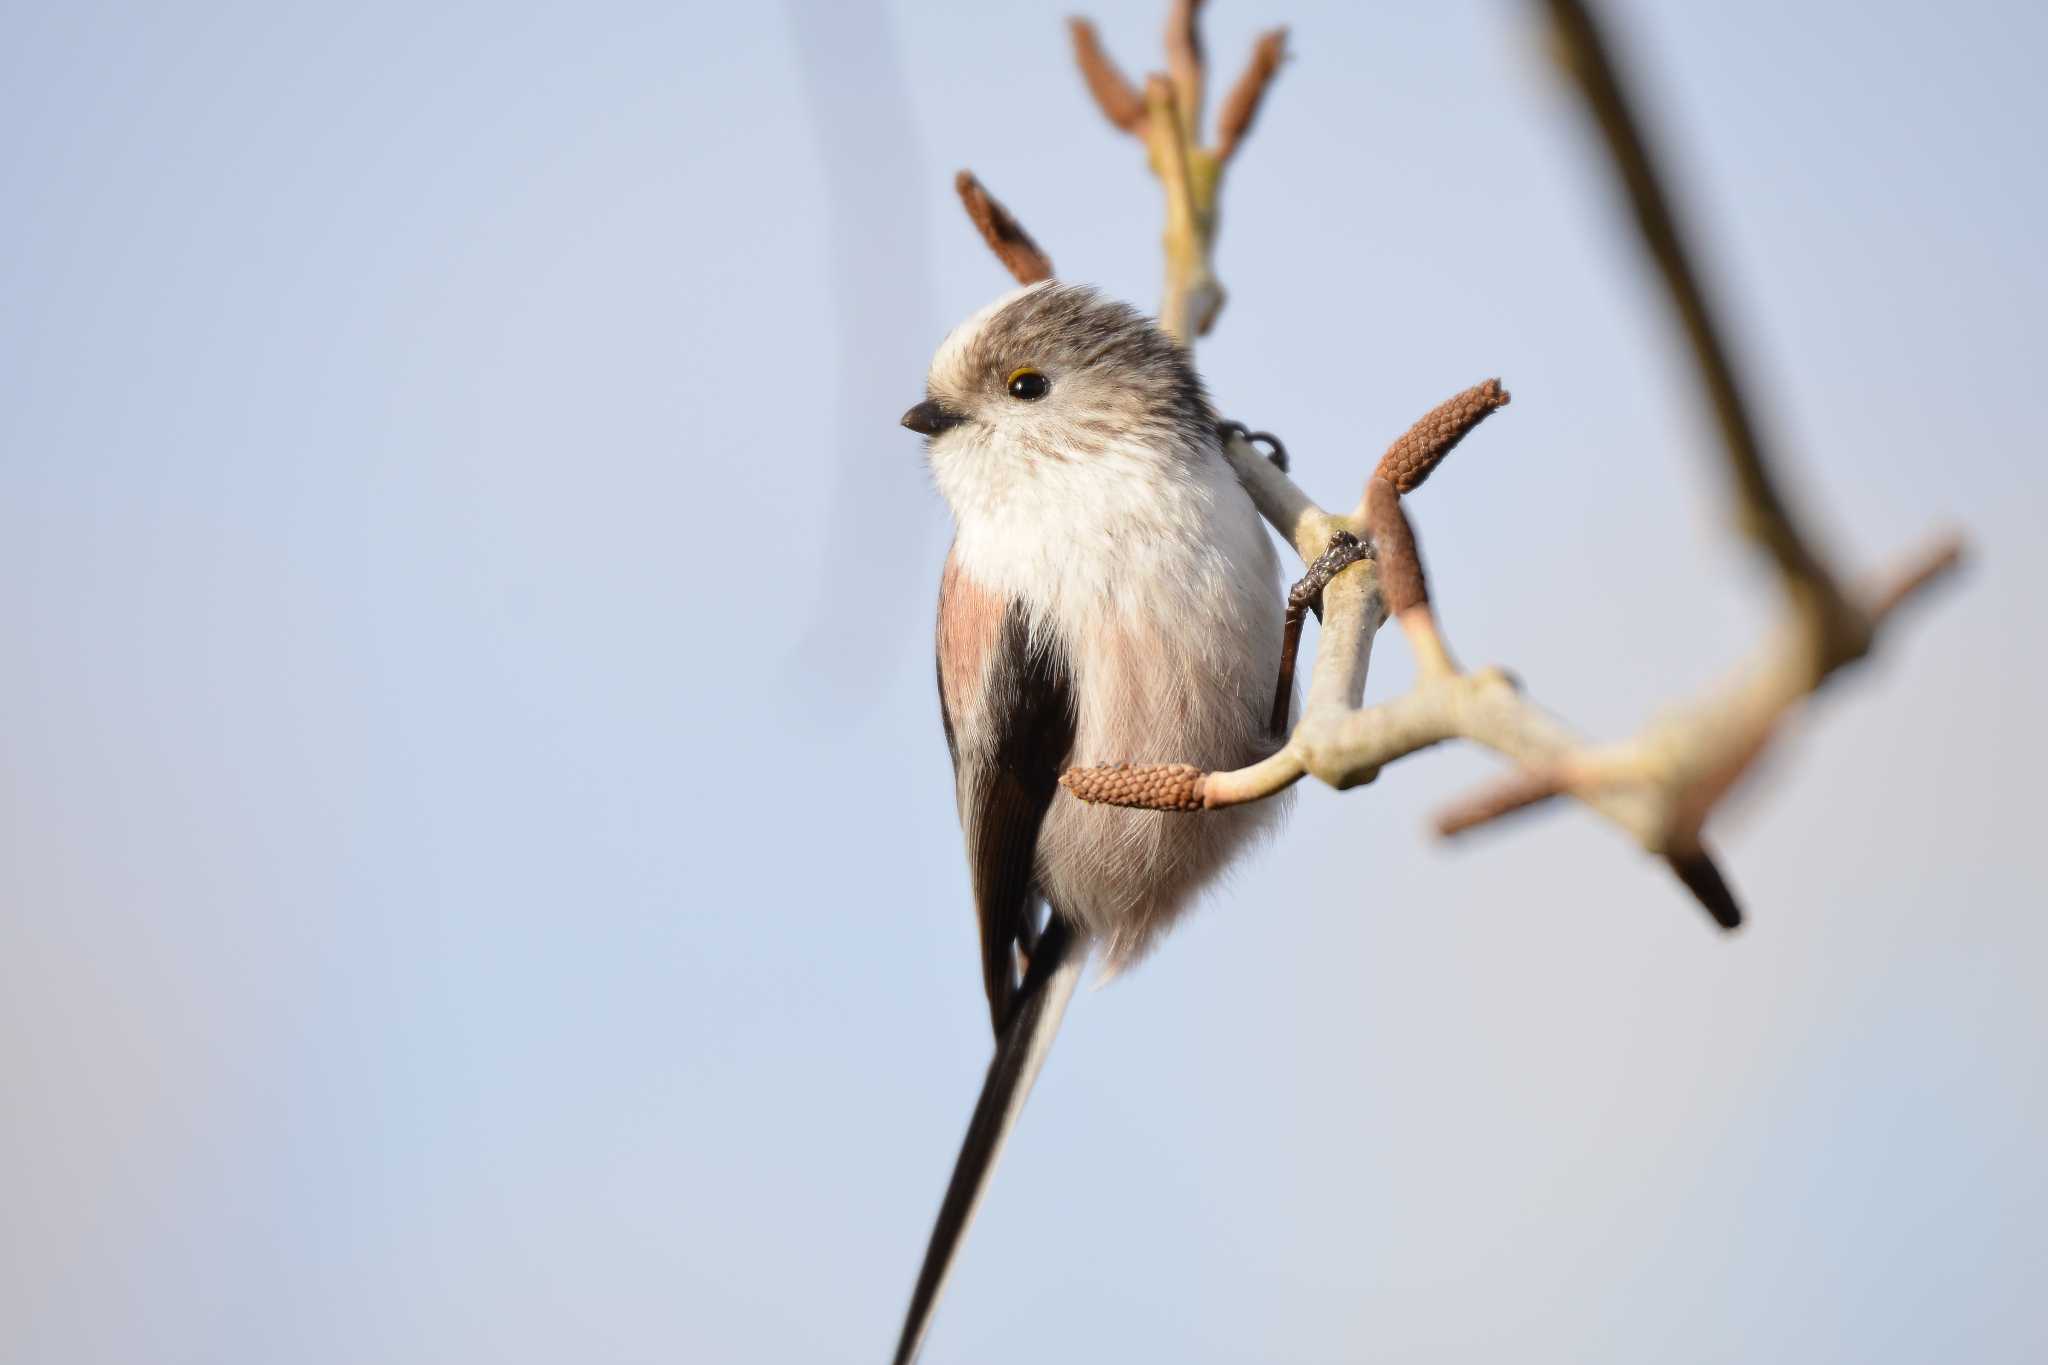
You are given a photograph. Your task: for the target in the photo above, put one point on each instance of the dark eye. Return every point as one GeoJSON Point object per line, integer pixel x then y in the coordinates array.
{"type": "Point", "coordinates": [1028, 384]}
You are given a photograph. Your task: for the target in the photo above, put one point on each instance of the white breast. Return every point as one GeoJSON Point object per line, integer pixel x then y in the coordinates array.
{"type": "Point", "coordinates": [1158, 582]}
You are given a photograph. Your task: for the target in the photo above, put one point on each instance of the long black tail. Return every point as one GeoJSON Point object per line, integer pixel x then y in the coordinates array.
{"type": "Point", "coordinates": [1056, 963]}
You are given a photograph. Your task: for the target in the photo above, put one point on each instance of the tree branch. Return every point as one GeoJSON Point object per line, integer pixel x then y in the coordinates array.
{"type": "Point", "coordinates": [1658, 787]}
{"type": "Point", "coordinates": [1765, 514]}
{"type": "Point", "coordinates": [1167, 118]}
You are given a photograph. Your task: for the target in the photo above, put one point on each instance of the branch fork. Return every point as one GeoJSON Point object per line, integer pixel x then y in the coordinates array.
{"type": "Point", "coordinates": [1166, 115]}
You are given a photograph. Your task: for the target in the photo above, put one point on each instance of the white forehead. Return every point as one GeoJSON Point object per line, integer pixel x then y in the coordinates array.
{"type": "Point", "coordinates": [952, 352]}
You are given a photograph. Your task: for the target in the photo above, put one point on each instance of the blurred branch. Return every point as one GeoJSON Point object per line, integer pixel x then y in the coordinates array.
{"type": "Point", "coordinates": [1167, 118]}
{"type": "Point", "coordinates": [1582, 50]}
{"type": "Point", "coordinates": [1690, 759]}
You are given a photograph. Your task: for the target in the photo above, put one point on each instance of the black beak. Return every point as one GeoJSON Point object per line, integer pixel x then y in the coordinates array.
{"type": "Point", "coordinates": [931, 417]}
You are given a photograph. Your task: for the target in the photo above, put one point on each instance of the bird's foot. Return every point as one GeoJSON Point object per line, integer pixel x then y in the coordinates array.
{"type": "Point", "coordinates": [1277, 452]}
{"type": "Point", "coordinates": [1305, 596]}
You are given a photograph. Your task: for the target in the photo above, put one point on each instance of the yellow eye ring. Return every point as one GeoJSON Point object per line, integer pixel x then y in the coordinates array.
{"type": "Point", "coordinates": [1027, 384]}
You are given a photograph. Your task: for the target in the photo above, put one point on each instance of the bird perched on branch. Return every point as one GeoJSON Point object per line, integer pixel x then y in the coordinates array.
{"type": "Point", "coordinates": [1111, 593]}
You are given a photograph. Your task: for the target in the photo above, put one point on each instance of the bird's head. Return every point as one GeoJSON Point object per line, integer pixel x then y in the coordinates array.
{"type": "Point", "coordinates": [1053, 377]}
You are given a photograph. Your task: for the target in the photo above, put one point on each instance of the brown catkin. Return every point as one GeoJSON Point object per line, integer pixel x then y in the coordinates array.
{"type": "Point", "coordinates": [1146, 786]}
{"type": "Point", "coordinates": [1241, 105]}
{"type": "Point", "coordinates": [1411, 459]}
{"type": "Point", "coordinates": [1394, 543]}
{"type": "Point", "coordinates": [1114, 94]}
{"type": "Point", "coordinates": [1004, 234]}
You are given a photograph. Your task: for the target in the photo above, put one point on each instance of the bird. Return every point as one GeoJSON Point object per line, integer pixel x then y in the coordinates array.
{"type": "Point", "coordinates": [1111, 595]}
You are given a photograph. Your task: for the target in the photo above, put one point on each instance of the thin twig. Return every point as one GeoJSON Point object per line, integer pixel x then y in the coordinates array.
{"type": "Point", "coordinates": [1526, 788]}
{"type": "Point", "coordinates": [1184, 60]}
{"type": "Point", "coordinates": [1191, 298]}
{"type": "Point", "coordinates": [1920, 570]}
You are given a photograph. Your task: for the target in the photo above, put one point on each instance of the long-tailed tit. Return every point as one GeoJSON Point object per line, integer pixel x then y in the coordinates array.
{"type": "Point", "coordinates": [1111, 595]}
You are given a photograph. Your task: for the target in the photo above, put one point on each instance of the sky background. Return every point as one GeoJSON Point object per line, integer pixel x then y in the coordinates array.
{"type": "Point", "coordinates": [478, 869]}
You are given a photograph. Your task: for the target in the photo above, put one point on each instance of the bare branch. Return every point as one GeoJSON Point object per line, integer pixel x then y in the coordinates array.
{"type": "Point", "coordinates": [1167, 116]}
{"type": "Point", "coordinates": [1929, 566]}
{"type": "Point", "coordinates": [1256, 783]}
{"type": "Point", "coordinates": [1004, 234]}
{"type": "Point", "coordinates": [1765, 513]}
{"type": "Point", "coordinates": [1184, 60]}
{"type": "Point", "coordinates": [1660, 786]}
{"type": "Point", "coordinates": [1192, 295]}
{"type": "Point", "coordinates": [1518, 792]}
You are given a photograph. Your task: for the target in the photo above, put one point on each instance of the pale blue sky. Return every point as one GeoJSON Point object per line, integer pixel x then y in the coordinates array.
{"type": "Point", "coordinates": [478, 877]}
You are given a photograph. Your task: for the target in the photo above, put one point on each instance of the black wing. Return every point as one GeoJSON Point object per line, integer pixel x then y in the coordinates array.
{"type": "Point", "coordinates": [1006, 782]}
